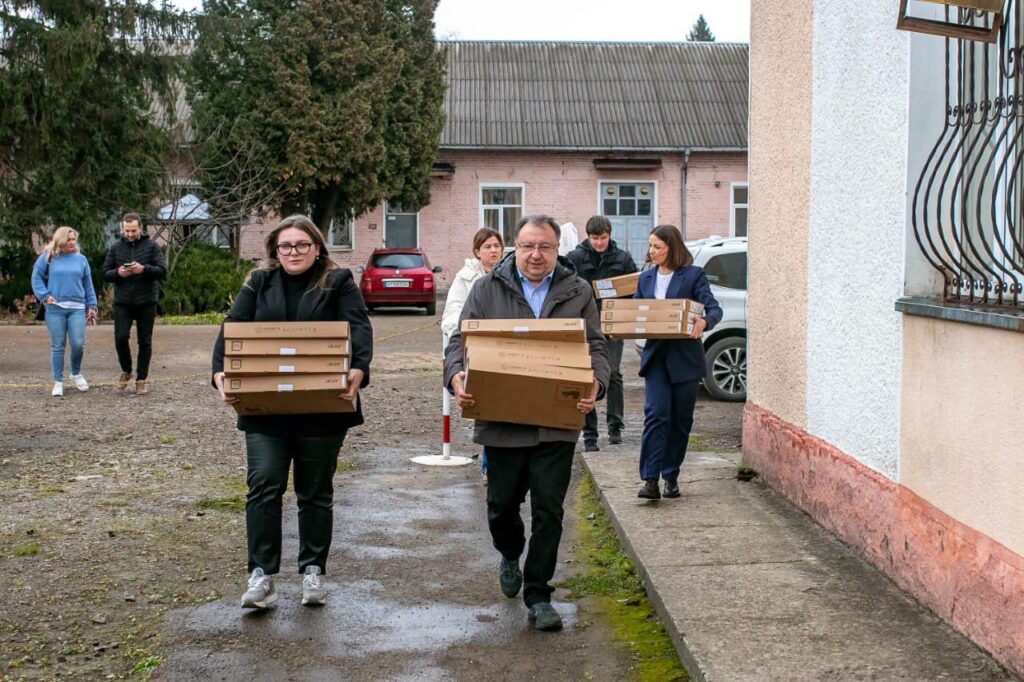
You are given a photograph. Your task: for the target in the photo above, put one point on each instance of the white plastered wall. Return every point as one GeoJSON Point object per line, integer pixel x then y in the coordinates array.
{"type": "Point", "coordinates": [855, 260]}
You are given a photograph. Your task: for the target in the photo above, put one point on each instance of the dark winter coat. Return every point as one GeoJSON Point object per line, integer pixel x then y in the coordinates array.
{"type": "Point", "coordinates": [262, 299]}
{"type": "Point", "coordinates": [499, 295]}
{"type": "Point", "coordinates": [591, 265]}
{"type": "Point", "coordinates": [138, 289]}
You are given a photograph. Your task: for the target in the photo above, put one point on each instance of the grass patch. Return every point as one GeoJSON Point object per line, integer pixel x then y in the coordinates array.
{"type": "Point", "coordinates": [31, 549]}
{"type": "Point", "coordinates": [608, 577]}
{"type": "Point", "coordinates": [345, 465]}
{"type": "Point", "coordinates": [232, 498]}
{"type": "Point", "coordinates": [197, 319]}
{"type": "Point", "coordinates": [701, 442]}
{"type": "Point", "coordinates": [166, 440]}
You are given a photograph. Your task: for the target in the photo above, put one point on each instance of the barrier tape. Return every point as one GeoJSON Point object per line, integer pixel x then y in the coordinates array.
{"type": "Point", "coordinates": [187, 377]}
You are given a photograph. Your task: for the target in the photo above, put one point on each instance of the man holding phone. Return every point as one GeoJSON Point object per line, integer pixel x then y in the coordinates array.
{"type": "Point", "coordinates": [134, 264]}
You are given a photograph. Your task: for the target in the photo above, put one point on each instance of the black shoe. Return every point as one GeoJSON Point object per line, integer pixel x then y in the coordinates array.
{"type": "Point", "coordinates": [615, 438]}
{"type": "Point", "coordinates": [671, 488]}
{"type": "Point", "coordinates": [510, 577]}
{"type": "Point", "coordinates": [590, 446]}
{"type": "Point", "coordinates": [650, 491]}
{"type": "Point", "coordinates": [544, 617]}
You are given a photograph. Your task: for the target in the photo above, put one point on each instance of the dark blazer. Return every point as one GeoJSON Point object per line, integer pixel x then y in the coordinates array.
{"type": "Point", "coordinates": [684, 357]}
{"type": "Point", "coordinates": [262, 299]}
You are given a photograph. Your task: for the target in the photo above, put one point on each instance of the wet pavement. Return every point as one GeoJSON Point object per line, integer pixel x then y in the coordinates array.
{"type": "Point", "coordinates": [413, 596]}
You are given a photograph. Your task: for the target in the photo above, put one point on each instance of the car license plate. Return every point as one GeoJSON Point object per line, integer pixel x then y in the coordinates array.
{"type": "Point", "coordinates": [397, 283]}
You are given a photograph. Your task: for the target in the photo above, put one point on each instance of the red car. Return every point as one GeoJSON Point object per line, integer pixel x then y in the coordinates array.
{"type": "Point", "coordinates": [399, 277]}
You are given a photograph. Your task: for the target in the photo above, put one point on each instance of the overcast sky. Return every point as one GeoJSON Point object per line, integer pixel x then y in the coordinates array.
{"type": "Point", "coordinates": [612, 20]}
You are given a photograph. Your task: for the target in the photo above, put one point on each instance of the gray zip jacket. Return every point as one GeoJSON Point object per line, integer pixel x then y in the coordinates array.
{"type": "Point", "coordinates": [498, 295]}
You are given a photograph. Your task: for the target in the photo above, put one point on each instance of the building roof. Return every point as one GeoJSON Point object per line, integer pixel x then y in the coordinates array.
{"type": "Point", "coordinates": [596, 96]}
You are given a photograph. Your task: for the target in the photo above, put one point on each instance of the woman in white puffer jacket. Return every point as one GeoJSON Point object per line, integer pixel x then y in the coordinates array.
{"type": "Point", "coordinates": [487, 250]}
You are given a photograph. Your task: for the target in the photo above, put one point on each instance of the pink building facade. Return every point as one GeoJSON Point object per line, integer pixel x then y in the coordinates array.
{"type": "Point", "coordinates": [567, 186]}
{"type": "Point", "coordinates": [644, 133]}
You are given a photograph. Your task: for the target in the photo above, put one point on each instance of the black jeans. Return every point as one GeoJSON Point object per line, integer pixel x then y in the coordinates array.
{"type": "Point", "coordinates": [143, 316]}
{"type": "Point", "coordinates": [543, 470]}
{"type": "Point", "coordinates": [269, 457]}
{"type": "Point", "coordinates": [613, 396]}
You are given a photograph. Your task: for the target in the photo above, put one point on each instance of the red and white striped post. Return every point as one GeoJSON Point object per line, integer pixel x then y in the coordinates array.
{"type": "Point", "coordinates": [445, 459]}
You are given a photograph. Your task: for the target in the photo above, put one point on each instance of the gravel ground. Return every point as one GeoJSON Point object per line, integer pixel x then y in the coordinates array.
{"type": "Point", "coordinates": [122, 540]}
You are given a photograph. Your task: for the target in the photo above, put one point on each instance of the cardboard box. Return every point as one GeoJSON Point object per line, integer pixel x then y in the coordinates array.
{"type": "Point", "coordinates": [643, 315]}
{"type": "Point", "coordinates": [287, 347]}
{"type": "Point", "coordinates": [528, 328]}
{"type": "Point", "coordinates": [648, 330]}
{"type": "Point", "coordinates": [526, 392]}
{"type": "Point", "coordinates": [286, 330]}
{"type": "Point", "coordinates": [559, 353]}
{"type": "Point", "coordinates": [242, 365]}
{"type": "Point", "coordinates": [616, 287]}
{"type": "Point", "coordinates": [299, 394]}
{"type": "Point", "coordinates": [646, 304]}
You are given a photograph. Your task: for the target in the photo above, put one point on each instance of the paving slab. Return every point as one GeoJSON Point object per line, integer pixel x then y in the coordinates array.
{"type": "Point", "coordinates": [750, 588]}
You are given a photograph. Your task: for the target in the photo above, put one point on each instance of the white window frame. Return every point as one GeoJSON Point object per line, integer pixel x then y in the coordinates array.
{"type": "Point", "coordinates": [733, 206]}
{"type": "Point", "coordinates": [616, 181]}
{"type": "Point", "coordinates": [384, 231]}
{"type": "Point", "coordinates": [333, 247]}
{"type": "Point", "coordinates": [521, 186]}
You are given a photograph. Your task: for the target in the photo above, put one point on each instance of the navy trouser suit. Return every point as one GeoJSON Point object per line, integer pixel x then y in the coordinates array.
{"type": "Point", "coordinates": [672, 370]}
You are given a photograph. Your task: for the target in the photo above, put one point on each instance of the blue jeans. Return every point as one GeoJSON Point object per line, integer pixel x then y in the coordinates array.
{"type": "Point", "coordinates": [64, 323]}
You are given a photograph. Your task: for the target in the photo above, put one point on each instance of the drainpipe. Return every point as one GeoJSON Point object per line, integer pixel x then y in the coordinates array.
{"type": "Point", "coordinates": [682, 197]}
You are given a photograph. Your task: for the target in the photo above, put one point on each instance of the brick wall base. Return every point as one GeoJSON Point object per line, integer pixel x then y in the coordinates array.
{"type": "Point", "coordinates": [968, 579]}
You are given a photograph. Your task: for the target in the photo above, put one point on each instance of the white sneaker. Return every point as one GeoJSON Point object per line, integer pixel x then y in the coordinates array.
{"type": "Point", "coordinates": [58, 389]}
{"type": "Point", "coordinates": [261, 593]}
{"type": "Point", "coordinates": [313, 591]}
{"type": "Point", "coordinates": [80, 383]}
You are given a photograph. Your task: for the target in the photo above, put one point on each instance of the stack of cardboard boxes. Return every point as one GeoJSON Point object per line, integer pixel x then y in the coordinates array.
{"type": "Point", "coordinates": [527, 371]}
{"type": "Point", "coordinates": [649, 318]}
{"type": "Point", "coordinates": [287, 367]}
{"type": "Point", "coordinates": [616, 287]}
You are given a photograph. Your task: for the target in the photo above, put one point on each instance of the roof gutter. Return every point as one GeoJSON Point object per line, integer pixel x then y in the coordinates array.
{"type": "Point", "coordinates": [595, 150]}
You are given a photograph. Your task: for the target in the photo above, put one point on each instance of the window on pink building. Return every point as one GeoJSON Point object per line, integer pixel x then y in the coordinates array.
{"type": "Point", "coordinates": [501, 207]}
{"type": "Point", "coordinates": [738, 210]}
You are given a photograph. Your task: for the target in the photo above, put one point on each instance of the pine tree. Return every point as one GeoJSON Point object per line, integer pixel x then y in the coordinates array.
{"type": "Point", "coordinates": [701, 32]}
{"type": "Point", "coordinates": [79, 82]}
{"type": "Point", "coordinates": [343, 99]}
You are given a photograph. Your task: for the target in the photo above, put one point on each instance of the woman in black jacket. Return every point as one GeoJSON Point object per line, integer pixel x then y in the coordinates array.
{"type": "Point", "coordinates": [298, 281]}
{"type": "Point", "coordinates": [671, 368]}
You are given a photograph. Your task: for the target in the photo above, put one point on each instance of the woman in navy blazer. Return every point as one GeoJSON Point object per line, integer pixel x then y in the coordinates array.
{"type": "Point", "coordinates": [671, 368]}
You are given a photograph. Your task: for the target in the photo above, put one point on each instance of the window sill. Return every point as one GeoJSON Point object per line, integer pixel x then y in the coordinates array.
{"type": "Point", "coordinates": [340, 249]}
{"type": "Point", "coordinates": [1008, 319]}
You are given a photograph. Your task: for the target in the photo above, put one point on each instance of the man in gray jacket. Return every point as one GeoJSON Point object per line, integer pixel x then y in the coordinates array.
{"type": "Point", "coordinates": [536, 283]}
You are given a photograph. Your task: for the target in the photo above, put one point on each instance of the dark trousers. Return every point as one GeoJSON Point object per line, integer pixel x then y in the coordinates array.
{"type": "Point", "coordinates": [613, 396]}
{"type": "Point", "coordinates": [143, 316]}
{"type": "Point", "coordinates": [543, 470]}
{"type": "Point", "coordinates": [316, 460]}
{"type": "Point", "coordinates": [668, 418]}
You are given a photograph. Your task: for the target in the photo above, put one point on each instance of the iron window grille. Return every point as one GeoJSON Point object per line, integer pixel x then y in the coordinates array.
{"type": "Point", "coordinates": [968, 202]}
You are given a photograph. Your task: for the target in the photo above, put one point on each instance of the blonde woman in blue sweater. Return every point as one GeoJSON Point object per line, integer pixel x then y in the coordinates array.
{"type": "Point", "coordinates": [62, 280]}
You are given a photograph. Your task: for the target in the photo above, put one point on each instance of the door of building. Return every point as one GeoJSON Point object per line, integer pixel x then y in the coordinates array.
{"type": "Point", "coordinates": [629, 206]}
{"type": "Point", "coordinates": [401, 228]}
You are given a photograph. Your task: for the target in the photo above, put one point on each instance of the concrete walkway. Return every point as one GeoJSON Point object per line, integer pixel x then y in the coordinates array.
{"type": "Point", "coordinates": [751, 589]}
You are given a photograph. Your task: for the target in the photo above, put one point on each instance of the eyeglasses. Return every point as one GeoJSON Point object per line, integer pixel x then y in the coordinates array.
{"type": "Point", "coordinates": [545, 249]}
{"type": "Point", "coordinates": [302, 248]}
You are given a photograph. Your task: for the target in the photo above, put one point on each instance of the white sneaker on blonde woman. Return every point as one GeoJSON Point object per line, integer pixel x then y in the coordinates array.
{"type": "Point", "coordinates": [80, 383]}
{"type": "Point", "coordinates": [58, 389]}
{"type": "Point", "coordinates": [261, 593]}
